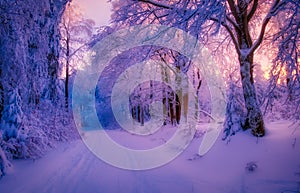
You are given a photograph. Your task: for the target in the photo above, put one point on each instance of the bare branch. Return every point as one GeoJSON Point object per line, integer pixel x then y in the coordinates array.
{"type": "Point", "coordinates": [266, 20]}
{"type": "Point", "coordinates": [229, 30]}
{"type": "Point", "coordinates": [232, 22]}
{"type": "Point", "coordinates": [156, 4]}
{"type": "Point", "coordinates": [78, 49]}
{"type": "Point", "coordinates": [233, 9]}
{"type": "Point", "coordinates": [253, 9]}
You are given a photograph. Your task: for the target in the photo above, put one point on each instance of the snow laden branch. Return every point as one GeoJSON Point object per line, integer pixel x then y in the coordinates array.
{"type": "Point", "coordinates": [230, 32]}
{"type": "Point", "coordinates": [239, 18]}
{"type": "Point", "coordinates": [273, 10]}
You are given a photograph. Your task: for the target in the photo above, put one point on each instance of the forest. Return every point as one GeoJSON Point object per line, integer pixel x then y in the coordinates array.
{"type": "Point", "coordinates": [167, 87]}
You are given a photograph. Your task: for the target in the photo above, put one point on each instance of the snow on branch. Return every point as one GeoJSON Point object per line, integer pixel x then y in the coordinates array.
{"type": "Point", "coordinates": [231, 34]}
{"type": "Point", "coordinates": [266, 20]}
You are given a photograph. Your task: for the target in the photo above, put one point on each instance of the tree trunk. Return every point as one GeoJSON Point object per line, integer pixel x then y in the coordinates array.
{"type": "Point", "coordinates": [244, 46]}
{"type": "Point", "coordinates": [1, 95]}
{"type": "Point", "coordinates": [254, 119]}
{"type": "Point", "coordinates": [67, 72]}
{"type": "Point", "coordinates": [67, 86]}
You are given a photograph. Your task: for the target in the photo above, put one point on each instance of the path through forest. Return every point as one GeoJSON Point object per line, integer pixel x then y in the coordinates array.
{"type": "Point", "coordinates": [72, 168]}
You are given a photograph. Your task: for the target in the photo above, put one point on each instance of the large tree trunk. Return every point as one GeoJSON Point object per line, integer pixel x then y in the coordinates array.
{"type": "Point", "coordinates": [245, 50]}
{"type": "Point", "coordinates": [254, 119]}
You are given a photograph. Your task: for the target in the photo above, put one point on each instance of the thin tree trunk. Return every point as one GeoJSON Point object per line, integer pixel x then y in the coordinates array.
{"type": "Point", "coordinates": [165, 79]}
{"type": "Point", "coordinates": [67, 86]}
{"type": "Point", "coordinates": [1, 100]}
{"type": "Point", "coordinates": [1, 94]}
{"type": "Point", "coordinates": [67, 73]}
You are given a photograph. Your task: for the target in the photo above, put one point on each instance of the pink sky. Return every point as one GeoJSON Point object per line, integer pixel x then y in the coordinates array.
{"type": "Point", "coordinates": [98, 10]}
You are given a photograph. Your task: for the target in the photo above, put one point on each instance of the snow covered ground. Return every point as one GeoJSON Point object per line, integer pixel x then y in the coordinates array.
{"type": "Point", "coordinates": [72, 168]}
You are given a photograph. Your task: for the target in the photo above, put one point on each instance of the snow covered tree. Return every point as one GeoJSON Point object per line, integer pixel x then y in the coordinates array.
{"type": "Point", "coordinates": [29, 52]}
{"type": "Point", "coordinates": [234, 111]}
{"type": "Point", "coordinates": [12, 116]}
{"type": "Point", "coordinates": [4, 163]}
{"type": "Point", "coordinates": [76, 31]}
{"type": "Point", "coordinates": [240, 19]}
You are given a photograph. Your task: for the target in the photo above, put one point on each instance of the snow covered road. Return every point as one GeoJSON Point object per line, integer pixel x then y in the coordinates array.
{"type": "Point", "coordinates": [72, 168]}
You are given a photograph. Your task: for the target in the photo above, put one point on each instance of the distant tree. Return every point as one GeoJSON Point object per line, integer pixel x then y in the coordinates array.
{"type": "Point", "coordinates": [76, 32]}
{"type": "Point", "coordinates": [247, 22]}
